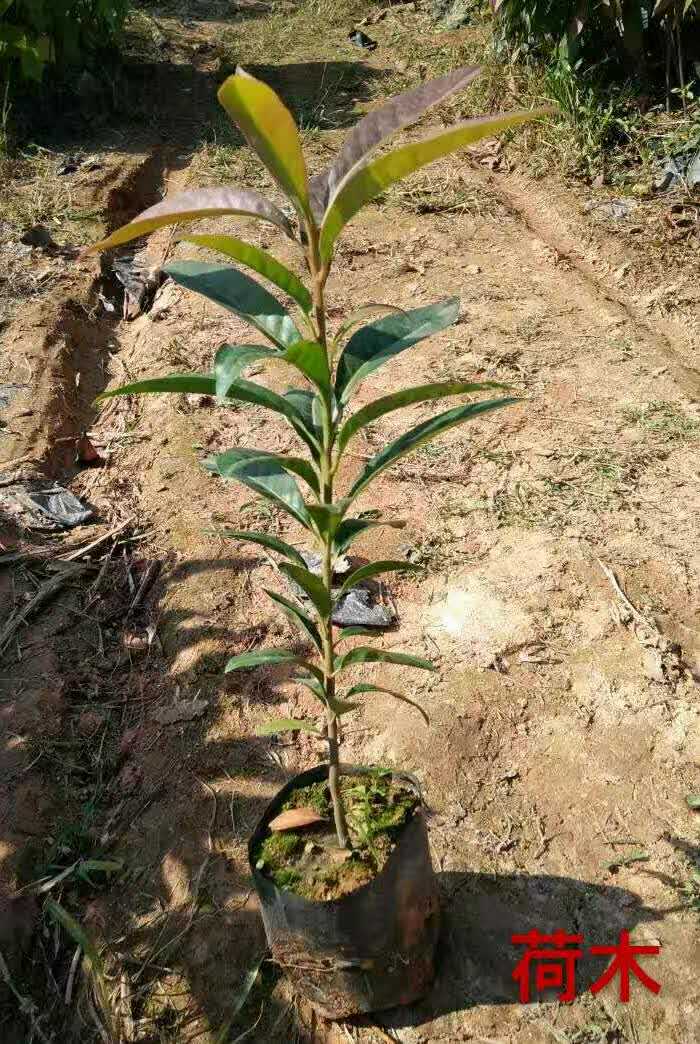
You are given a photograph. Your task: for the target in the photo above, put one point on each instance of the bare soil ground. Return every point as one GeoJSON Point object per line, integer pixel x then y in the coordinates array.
{"type": "Point", "coordinates": [560, 540]}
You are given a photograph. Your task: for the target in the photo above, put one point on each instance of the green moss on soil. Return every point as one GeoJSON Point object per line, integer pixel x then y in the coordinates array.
{"type": "Point", "coordinates": [309, 862]}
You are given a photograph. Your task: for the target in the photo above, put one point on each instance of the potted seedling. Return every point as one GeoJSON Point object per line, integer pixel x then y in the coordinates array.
{"type": "Point", "coordinates": [340, 858]}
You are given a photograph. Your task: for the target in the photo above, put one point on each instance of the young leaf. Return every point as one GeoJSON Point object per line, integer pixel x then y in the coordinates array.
{"type": "Point", "coordinates": [263, 658]}
{"type": "Point", "coordinates": [265, 540]}
{"type": "Point", "coordinates": [174, 383]}
{"type": "Point", "coordinates": [351, 528]}
{"type": "Point", "coordinates": [311, 584]}
{"type": "Point", "coordinates": [357, 689]}
{"type": "Point", "coordinates": [260, 261]}
{"type": "Point", "coordinates": [226, 462]}
{"type": "Point", "coordinates": [361, 186]}
{"type": "Point", "coordinates": [191, 206]}
{"type": "Point", "coordinates": [232, 359]}
{"type": "Point", "coordinates": [363, 654]}
{"type": "Point", "coordinates": [301, 617]}
{"type": "Point", "coordinates": [380, 124]}
{"type": "Point", "coordinates": [421, 393]}
{"type": "Point", "coordinates": [374, 569]}
{"type": "Point", "coordinates": [269, 128]}
{"type": "Point", "coordinates": [381, 340]}
{"type": "Point", "coordinates": [239, 294]}
{"type": "Point", "coordinates": [286, 725]}
{"type": "Point", "coordinates": [267, 477]}
{"type": "Point", "coordinates": [421, 434]}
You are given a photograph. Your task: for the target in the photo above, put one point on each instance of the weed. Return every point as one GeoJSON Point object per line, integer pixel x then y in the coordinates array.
{"type": "Point", "coordinates": [663, 419]}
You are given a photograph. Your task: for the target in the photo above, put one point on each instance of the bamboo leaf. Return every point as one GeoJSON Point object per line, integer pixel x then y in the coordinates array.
{"type": "Point", "coordinates": [174, 383]}
{"type": "Point", "coordinates": [375, 569]}
{"type": "Point", "coordinates": [265, 540]}
{"type": "Point", "coordinates": [380, 124]}
{"type": "Point", "coordinates": [286, 725]}
{"type": "Point", "coordinates": [363, 654]}
{"type": "Point", "coordinates": [232, 359]}
{"type": "Point", "coordinates": [301, 617]}
{"type": "Point", "coordinates": [351, 528]}
{"type": "Point", "coordinates": [260, 261]}
{"type": "Point", "coordinates": [191, 206]}
{"type": "Point", "coordinates": [240, 294]}
{"type": "Point", "coordinates": [407, 397]}
{"type": "Point", "coordinates": [311, 584]}
{"type": "Point", "coordinates": [270, 130]}
{"type": "Point", "coordinates": [264, 475]}
{"type": "Point", "coordinates": [357, 689]}
{"type": "Point", "coordinates": [362, 185]}
{"type": "Point", "coordinates": [421, 434]}
{"type": "Point", "coordinates": [381, 340]}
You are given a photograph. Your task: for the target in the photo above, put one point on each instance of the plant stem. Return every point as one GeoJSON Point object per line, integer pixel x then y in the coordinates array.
{"type": "Point", "coordinates": [319, 274]}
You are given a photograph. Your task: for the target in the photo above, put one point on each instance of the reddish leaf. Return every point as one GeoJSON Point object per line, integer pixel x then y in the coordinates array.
{"type": "Point", "coordinates": [294, 818]}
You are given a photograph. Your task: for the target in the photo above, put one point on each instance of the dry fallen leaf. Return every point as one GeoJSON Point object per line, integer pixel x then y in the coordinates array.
{"type": "Point", "coordinates": [186, 710]}
{"type": "Point", "coordinates": [294, 818]}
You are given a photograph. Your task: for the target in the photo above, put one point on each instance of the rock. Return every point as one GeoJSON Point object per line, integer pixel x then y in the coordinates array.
{"type": "Point", "coordinates": [38, 236]}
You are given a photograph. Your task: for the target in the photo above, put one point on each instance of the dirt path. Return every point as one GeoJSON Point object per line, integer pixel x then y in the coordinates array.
{"type": "Point", "coordinates": [560, 544]}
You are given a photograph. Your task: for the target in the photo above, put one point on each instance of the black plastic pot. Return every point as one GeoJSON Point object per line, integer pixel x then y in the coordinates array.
{"type": "Point", "coordinates": [370, 950]}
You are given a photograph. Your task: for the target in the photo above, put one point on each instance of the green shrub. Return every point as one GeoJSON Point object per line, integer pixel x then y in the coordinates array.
{"type": "Point", "coordinates": [62, 33]}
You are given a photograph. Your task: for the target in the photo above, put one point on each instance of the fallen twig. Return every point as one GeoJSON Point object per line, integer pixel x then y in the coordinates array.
{"type": "Point", "coordinates": [47, 590]}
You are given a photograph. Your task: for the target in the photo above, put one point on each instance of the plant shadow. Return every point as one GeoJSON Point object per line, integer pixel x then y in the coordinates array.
{"type": "Point", "coordinates": [481, 912]}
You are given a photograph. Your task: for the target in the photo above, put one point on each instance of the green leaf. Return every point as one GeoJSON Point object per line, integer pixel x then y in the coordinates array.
{"type": "Point", "coordinates": [262, 658]}
{"type": "Point", "coordinates": [361, 186]}
{"type": "Point", "coordinates": [264, 475]}
{"type": "Point", "coordinates": [313, 684]}
{"type": "Point", "coordinates": [374, 569]}
{"type": "Point", "coordinates": [421, 434]}
{"type": "Point", "coordinates": [363, 654]}
{"type": "Point", "coordinates": [174, 383]}
{"type": "Point", "coordinates": [328, 517]}
{"type": "Point", "coordinates": [361, 313]}
{"type": "Point", "coordinates": [240, 294]}
{"type": "Point", "coordinates": [301, 617]}
{"type": "Point", "coordinates": [357, 689]}
{"type": "Point", "coordinates": [340, 707]}
{"type": "Point", "coordinates": [311, 584]}
{"type": "Point", "coordinates": [240, 996]}
{"type": "Point", "coordinates": [232, 359]}
{"type": "Point", "coordinates": [407, 397]}
{"type": "Point", "coordinates": [381, 340]}
{"type": "Point", "coordinates": [310, 358]}
{"type": "Point", "coordinates": [265, 540]}
{"type": "Point", "coordinates": [269, 128]}
{"type": "Point", "coordinates": [287, 725]}
{"type": "Point", "coordinates": [693, 801]}
{"type": "Point", "coordinates": [249, 391]}
{"type": "Point", "coordinates": [302, 402]}
{"type": "Point", "coordinates": [230, 459]}
{"type": "Point", "coordinates": [352, 528]}
{"type": "Point", "coordinates": [191, 206]}
{"type": "Point", "coordinates": [260, 261]}
{"type": "Point", "coordinates": [353, 632]}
